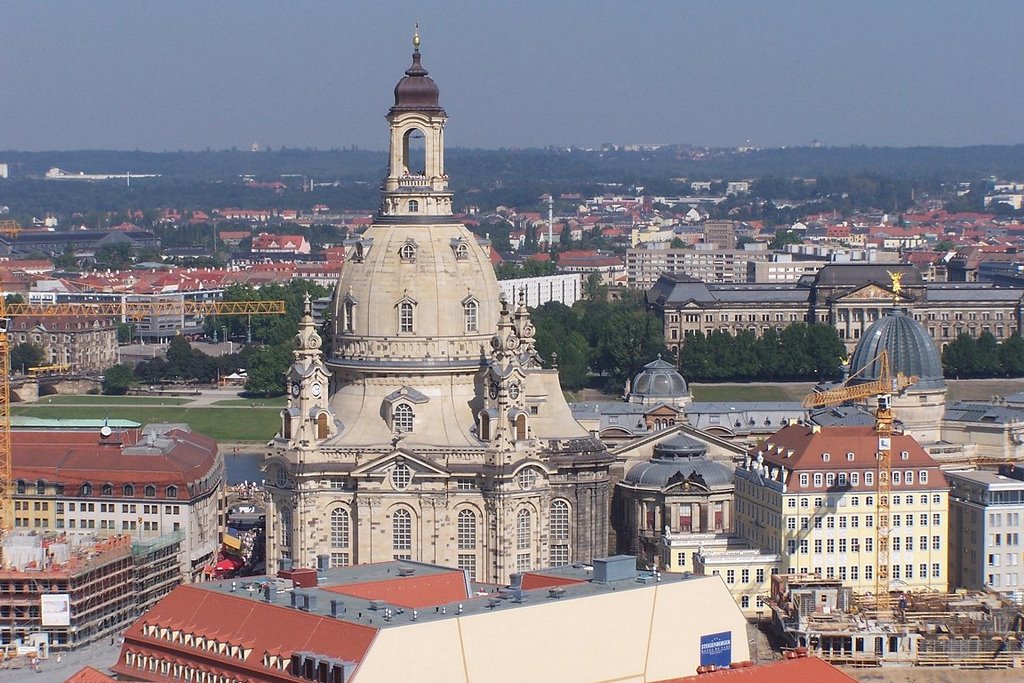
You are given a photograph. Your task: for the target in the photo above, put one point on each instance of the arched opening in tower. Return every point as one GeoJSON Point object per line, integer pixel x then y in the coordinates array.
{"type": "Point", "coordinates": [414, 153]}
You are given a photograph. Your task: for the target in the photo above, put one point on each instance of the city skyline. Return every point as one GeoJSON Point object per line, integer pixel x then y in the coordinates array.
{"type": "Point", "coordinates": [191, 76]}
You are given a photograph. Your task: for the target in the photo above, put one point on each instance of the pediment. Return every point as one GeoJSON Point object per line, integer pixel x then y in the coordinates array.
{"type": "Point", "coordinates": [381, 466]}
{"type": "Point", "coordinates": [871, 292]}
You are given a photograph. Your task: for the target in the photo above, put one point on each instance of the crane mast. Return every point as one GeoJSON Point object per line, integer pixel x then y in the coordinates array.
{"type": "Point", "coordinates": [883, 388]}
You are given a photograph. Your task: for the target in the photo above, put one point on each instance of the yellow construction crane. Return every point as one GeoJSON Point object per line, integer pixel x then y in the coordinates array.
{"type": "Point", "coordinates": [883, 387]}
{"type": "Point", "coordinates": [125, 310]}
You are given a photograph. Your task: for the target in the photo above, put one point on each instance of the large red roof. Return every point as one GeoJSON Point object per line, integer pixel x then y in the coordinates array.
{"type": "Point", "coordinates": [782, 671]}
{"type": "Point", "coordinates": [240, 620]}
{"type": "Point", "coordinates": [805, 448]}
{"type": "Point", "coordinates": [75, 457]}
{"type": "Point", "coordinates": [413, 592]}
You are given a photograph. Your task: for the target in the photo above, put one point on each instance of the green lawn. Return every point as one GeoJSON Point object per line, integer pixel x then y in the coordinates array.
{"type": "Point", "coordinates": [223, 424]}
{"type": "Point", "coordinates": [750, 392]}
{"type": "Point", "coordinates": [99, 400]}
{"type": "Point", "coordinates": [276, 402]}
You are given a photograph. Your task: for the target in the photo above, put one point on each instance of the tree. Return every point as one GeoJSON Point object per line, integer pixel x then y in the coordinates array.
{"type": "Point", "coordinates": [117, 380]}
{"type": "Point", "coordinates": [113, 257]}
{"type": "Point", "coordinates": [27, 355]}
{"type": "Point", "coordinates": [960, 358]}
{"type": "Point", "coordinates": [267, 366]}
{"type": "Point", "coordinates": [784, 237]}
{"type": "Point", "coordinates": [1011, 356]}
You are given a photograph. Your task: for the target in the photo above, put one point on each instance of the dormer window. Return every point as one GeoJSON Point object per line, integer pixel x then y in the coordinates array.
{"type": "Point", "coordinates": [407, 252]}
{"type": "Point", "coordinates": [403, 418]}
{"type": "Point", "coordinates": [358, 255]}
{"type": "Point", "coordinates": [414, 206]}
{"type": "Point", "coordinates": [348, 314]}
{"type": "Point", "coordinates": [107, 490]}
{"type": "Point", "coordinates": [825, 457]}
{"type": "Point", "coordinates": [470, 314]}
{"type": "Point", "coordinates": [171, 492]}
{"type": "Point", "coordinates": [461, 251]}
{"type": "Point", "coordinates": [406, 320]}
{"type": "Point", "coordinates": [86, 489]}
{"type": "Point", "coordinates": [150, 491]}
{"type": "Point", "coordinates": [128, 490]}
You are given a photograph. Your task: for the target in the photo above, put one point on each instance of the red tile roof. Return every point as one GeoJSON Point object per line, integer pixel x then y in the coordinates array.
{"type": "Point", "coordinates": [414, 592]}
{"type": "Point", "coordinates": [532, 581]}
{"type": "Point", "coordinates": [803, 448]}
{"type": "Point", "coordinates": [240, 620]}
{"type": "Point", "coordinates": [89, 674]}
{"type": "Point", "coordinates": [74, 457]}
{"type": "Point", "coordinates": [783, 671]}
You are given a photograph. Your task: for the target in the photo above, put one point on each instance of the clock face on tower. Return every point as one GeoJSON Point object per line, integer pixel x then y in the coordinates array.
{"type": "Point", "coordinates": [315, 389]}
{"type": "Point", "coordinates": [295, 389]}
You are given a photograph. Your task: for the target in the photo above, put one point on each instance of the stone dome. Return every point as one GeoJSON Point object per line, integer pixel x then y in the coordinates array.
{"type": "Point", "coordinates": [911, 351]}
{"type": "Point", "coordinates": [680, 457]}
{"type": "Point", "coordinates": [417, 90]}
{"type": "Point", "coordinates": [658, 379]}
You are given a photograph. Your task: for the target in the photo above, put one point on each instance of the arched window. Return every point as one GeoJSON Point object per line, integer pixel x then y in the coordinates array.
{"type": "Point", "coordinates": [339, 538]}
{"type": "Point", "coordinates": [403, 418]}
{"type": "Point", "coordinates": [86, 489]}
{"type": "Point", "coordinates": [350, 314]}
{"type": "Point", "coordinates": [558, 532]}
{"type": "Point", "coordinates": [286, 532]}
{"type": "Point", "coordinates": [401, 530]}
{"type": "Point", "coordinates": [40, 487]}
{"type": "Point", "coordinates": [21, 486]}
{"type": "Point", "coordinates": [171, 492]}
{"type": "Point", "coordinates": [467, 530]}
{"type": "Point", "coordinates": [405, 319]}
{"type": "Point", "coordinates": [520, 427]}
{"type": "Point", "coordinates": [322, 428]}
{"type": "Point", "coordinates": [127, 490]}
{"type": "Point", "coordinates": [524, 524]}
{"type": "Point", "coordinates": [286, 424]}
{"type": "Point", "coordinates": [407, 252]}
{"type": "Point", "coordinates": [401, 476]}
{"type": "Point", "coordinates": [339, 528]}
{"type": "Point", "coordinates": [461, 252]}
{"type": "Point", "coordinates": [150, 491]}
{"type": "Point", "coordinates": [107, 490]}
{"type": "Point", "coordinates": [414, 206]}
{"type": "Point", "coordinates": [469, 315]}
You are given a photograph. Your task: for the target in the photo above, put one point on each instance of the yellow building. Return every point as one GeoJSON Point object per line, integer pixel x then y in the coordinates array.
{"type": "Point", "coordinates": [809, 494]}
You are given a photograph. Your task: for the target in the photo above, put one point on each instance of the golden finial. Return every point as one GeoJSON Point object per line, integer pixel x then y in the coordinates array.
{"type": "Point", "coordinates": [416, 37]}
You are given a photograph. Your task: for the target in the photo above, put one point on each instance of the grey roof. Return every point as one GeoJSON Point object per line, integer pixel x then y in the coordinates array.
{"type": "Point", "coordinates": [659, 379]}
{"type": "Point", "coordinates": [965, 411]}
{"type": "Point", "coordinates": [971, 292]}
{"type": "Point", "coordinates": [911, 351]}
{"type": "Point", "coordinates": [743, 417]}
{"type": "Point", "coordinates": [842, 416]}
{"type": "Point", "coordinates": [677, 460]}
{"type": "Point", "coordinates": [859, 274]}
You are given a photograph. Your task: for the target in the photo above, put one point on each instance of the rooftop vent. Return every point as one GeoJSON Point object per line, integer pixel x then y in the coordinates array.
{"type": "Point", "coordinates": [406, 571]}
{"type": "Point", "coordinates": [337, 608]}
{"type": "Point", "coordinates": [378, 605]}
{"type": "Point", "coordinates": [614, 568]}
{"type": "Point", "coordinates": [557, 592]}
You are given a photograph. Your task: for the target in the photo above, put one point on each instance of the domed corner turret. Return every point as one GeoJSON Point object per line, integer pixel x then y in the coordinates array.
{"type": "Point", "coordinates": [659, 382]}
{"type": "Point", "coordinates": [910, 348]}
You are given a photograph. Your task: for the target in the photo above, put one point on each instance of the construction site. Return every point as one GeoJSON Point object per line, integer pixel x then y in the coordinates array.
{"type": "Point", "coordinates": [61, 592]}
{"type": "Point", "coordinates": [968, 630]}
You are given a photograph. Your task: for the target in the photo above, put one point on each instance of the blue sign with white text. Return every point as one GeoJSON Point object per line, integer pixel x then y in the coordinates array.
{"type": "Point", "coordinates": [716, 649]}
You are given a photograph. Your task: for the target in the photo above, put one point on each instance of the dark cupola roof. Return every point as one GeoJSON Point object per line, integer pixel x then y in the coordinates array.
{"type": "Point", "coordinates": [417, 91]}
{"type": "Point", "coordinates": [911, 351]}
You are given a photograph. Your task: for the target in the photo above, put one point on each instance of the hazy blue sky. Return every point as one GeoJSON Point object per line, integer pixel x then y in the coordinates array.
{"type": "Point", "coordinates": [191, 75]}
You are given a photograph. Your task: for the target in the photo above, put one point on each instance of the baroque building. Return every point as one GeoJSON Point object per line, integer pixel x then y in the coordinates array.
{"type": "Point", "coordinates": [427, 429]}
